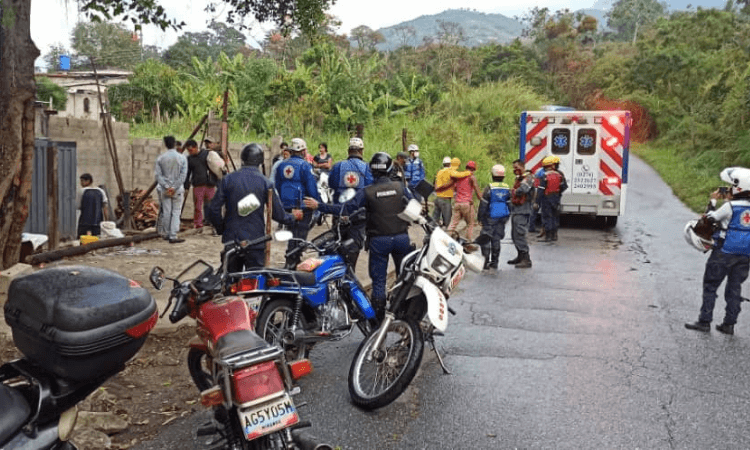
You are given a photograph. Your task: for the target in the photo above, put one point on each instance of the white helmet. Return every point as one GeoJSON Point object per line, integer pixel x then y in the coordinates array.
{"type": "Point", "coordinates": [297, 145]}
{"type": "Point", "coordinates": [498, 170]}
{"type": "Point", "coordinates": [447, 160]}
{"type": "Point", "coordinates": [413, 148]}
{"type": "Point", "coordinates": [698, 242]}
{"type": "Point", "coordinates": [356, 143]}
{"type": "Point", "coordinates": [738, 177]}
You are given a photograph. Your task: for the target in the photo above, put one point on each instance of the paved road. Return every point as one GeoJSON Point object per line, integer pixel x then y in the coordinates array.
{"type": "Point", "coordinates": [586, 350]}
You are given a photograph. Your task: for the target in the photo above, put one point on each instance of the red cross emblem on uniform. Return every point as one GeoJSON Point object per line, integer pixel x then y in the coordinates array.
{"type": "Point", "coordinates": [288, 172]}
{"type": "Point", "coordinates": [351, 179]}
{"type": "Point", "coordinates": [745, 219]}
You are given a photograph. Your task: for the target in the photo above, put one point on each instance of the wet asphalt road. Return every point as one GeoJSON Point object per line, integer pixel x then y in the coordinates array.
{"type": "Point", "coordinates": [586, 350]}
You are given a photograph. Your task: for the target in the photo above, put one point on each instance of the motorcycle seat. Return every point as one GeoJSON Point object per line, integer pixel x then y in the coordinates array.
{"type": "Point", "coordinates": [16, 411]}
{"type": "Point", "coordinates": [240, 341]}
{"type": "Point", "coordinates": [305, 278]}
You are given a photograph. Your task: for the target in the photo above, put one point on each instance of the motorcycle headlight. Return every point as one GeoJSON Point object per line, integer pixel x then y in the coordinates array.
{"type": "Point", "coordinates": [441, 265]}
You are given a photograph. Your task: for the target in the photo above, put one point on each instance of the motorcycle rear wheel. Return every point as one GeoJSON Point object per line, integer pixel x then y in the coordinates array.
{"type": "Point", "coordinates": [199, 366]}
{"type": "Point", "coordinates": [374, 384]}
{"type": "Point", "coordinates": [275, 318]}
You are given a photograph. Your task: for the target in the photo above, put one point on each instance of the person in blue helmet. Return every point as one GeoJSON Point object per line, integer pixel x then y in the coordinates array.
{"type": "Point", "coordinates": [387, 234]}
{"type": "Point", "coordinates": [295, 180]}
{"type": "Point", "coordinates": [352, 174]}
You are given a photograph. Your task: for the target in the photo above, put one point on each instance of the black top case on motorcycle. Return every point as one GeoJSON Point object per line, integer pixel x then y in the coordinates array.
{"type": "Point", "coordinates": [80, 323]}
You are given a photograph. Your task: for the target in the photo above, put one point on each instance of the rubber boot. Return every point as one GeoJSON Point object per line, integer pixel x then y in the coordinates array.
{"type": "Point", "coordinates": [495, 258]}
{"type": "Point", "coordinates": [541, 234]}
{"type": "Point", "coordinates": [517, 259]}
{"type": "Point", "coordinates": [554, 235]}
{"type": "Point", "coordinates": [548, 235]}
{"type": "Point", "coordinates": [525, 262]}
{"type": "Point", "coordinates": [486, 254]}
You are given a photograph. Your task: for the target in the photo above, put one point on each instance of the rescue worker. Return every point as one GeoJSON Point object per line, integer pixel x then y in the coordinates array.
{"type": "Point", "coordinates": [240, 222]}
{"type": "Point", "coordinates": [494, 211]}
{"type": "Point", "coordinates": [414, 171]}
{"type": "Point", "coordinates": [730, 256]}
{"type": "Point", "coordinates": [535, 211]}
{"type": "Point", "coordinates": [351, 173]}
{"type": "Point", "coordinates": [551, 186]}
{"type": "Point", "coordinates": [519, 213]}
{"type": "Point", "coordinates": [386, 233]}
{"type": "Point", "coordinates": [294, 180]}
{"type": "Point", "coordinates": [442, 212]}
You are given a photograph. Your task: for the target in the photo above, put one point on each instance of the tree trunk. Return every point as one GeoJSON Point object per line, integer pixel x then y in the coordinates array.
{"type": "Point", "coordinates": [17, 91]}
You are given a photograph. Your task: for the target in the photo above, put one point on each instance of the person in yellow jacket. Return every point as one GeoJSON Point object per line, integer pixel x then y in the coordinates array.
{"type": "Point", "coordinates": [443, 193]}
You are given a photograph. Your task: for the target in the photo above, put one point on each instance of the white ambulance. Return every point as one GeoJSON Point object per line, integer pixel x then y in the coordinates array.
{"type": "Point", "coordinates": [593, 147]}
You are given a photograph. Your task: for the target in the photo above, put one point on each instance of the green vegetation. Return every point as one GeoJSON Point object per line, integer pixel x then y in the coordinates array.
{"type": "Point", "coordinates": [685, 76]}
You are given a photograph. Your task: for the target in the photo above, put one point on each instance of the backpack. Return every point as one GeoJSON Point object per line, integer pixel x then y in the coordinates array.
{"type": "Point", "coordinates": [215, 165]}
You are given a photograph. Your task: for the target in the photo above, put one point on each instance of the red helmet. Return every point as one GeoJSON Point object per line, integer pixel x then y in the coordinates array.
{"type": "Point", "coordinates": [471, 165]}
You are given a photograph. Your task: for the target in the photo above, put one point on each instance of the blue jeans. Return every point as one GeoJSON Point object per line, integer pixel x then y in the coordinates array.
{"type": "Point", "coordinates": [170, 209]}
{"type": "Point", "coordinates": [381, 247]}
{"type": "Point", "coordinates": [299, 230]}
{"type": "Point", "coordinates": [722, 265]}
{"type": "Point", "coordinates": [550, 211]}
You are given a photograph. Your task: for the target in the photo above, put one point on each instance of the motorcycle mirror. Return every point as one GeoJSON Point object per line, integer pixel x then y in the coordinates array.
{"type": "Point", "coordinates": [412, 212]}
{"type": "Point", "coordinates": [283, 235]}
{"type": "Point", "coordinates": [157, 277]}
{"type": "Point", "coordinates": [347, 195]}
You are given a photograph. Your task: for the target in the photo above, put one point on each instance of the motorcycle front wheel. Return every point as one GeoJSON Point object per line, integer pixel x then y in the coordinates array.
{"type": "Point", "coordinates": [274, 320]}
{"type": "Point", "coordinates": [199, 366]}
{"type": "Point", "coordinates": [376, 382]}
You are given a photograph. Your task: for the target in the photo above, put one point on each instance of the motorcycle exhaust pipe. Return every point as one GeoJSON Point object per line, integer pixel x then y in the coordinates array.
{"type": "Point", "coordinates": [306, 441]}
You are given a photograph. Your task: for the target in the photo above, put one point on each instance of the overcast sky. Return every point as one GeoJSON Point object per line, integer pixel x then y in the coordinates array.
{"type": "Point", "coordinates": [53, 20]}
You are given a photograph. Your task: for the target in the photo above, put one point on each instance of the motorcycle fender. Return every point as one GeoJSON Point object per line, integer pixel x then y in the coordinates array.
{"type": "Point", "coordinates": [437, 305]}
{"type": "Point", "coordinates": [198, 343]}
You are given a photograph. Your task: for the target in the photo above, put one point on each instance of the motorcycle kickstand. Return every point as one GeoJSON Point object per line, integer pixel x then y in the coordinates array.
{"type": "Point", "coordinates": [431, 340]}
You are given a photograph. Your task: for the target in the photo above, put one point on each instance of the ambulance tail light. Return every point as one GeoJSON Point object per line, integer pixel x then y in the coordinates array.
{"type": "Point", "coordinates": [613, 181]}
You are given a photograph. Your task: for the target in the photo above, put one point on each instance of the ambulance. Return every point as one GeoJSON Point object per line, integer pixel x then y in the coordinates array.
{"type": "Point", "coordinates": [593, 147]}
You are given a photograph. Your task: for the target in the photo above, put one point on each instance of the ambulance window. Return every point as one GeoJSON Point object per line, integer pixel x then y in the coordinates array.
{"type": "Point", "coordinates": [560, 141]}
{"type": "Point", "coordinates": [586, 141]}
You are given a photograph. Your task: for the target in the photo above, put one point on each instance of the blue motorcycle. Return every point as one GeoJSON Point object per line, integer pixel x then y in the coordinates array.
{"type": "Point", "coordinates": [320, 301]}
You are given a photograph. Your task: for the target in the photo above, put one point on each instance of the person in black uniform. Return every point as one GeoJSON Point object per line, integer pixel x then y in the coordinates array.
{"type": "Point", "coordinates": [387, 234]}
{"type": "Point", "coordinates": [239, 222]}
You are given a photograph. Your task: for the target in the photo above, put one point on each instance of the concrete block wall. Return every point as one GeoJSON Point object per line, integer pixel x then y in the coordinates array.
{"type": "Point", "coordinates": [92, 151]}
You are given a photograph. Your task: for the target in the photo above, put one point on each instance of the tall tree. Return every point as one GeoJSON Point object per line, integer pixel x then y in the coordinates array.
{"type": "Point", "coordinates": [366, 38]}
{"type": "Point", "coordinates": [17, 88]}
{"type": "Point", "coordinates": [52, 58]}
{"type": "Point", "coordinates": [111, 45]}
{"type": "Point", "coordinates": [629, 16]}
{"type": "Point", "coordinates": [217, 39]}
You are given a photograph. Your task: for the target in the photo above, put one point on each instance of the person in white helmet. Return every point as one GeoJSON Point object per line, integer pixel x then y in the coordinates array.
{"type": "Point", "coordinates": [730, 256]}
{"type": "Point", "coordinates": [414, 171]}
{"type": "Point", "coordinates": [494, 212]}
{"type": "Point", "coordinates": [443, 211]}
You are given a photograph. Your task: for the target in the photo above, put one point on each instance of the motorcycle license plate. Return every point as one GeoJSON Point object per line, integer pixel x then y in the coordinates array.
{"type": "Point", "coordinates": [268, 417]}
{"type": "Point", "coordinates": [458, 277]}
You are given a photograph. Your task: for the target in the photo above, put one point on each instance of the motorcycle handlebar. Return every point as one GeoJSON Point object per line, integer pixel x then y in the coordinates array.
{"type": "Point", "coordinates": [180, 310]}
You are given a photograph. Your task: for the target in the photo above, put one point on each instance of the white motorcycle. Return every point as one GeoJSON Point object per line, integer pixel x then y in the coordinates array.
{"type": "Point", "coordinates": [387, 360]}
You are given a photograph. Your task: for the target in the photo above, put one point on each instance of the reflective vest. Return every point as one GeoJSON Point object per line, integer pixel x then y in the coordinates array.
{"type": "Point", "coordinates": [737, 239]}
{"type": "Point", "coordinates": [499, 197]}
{"type": "Point", "coordinates": [352, 174]}
{"type": "Point", "coordinates": [289, 181]}
{"type": "Point", "coordinates": [384, 203]}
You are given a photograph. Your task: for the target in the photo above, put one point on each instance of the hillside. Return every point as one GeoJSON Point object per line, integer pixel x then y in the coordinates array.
{"type": "Point", "coordinates": [478, 29]}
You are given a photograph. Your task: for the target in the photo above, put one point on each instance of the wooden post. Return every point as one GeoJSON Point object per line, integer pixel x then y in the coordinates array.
{"type": "Point", "coordinates": [225, 132]}
{"type": "Point", "coordinates": [269, 225]}
{"type": "Point", "coordinates": [403, 139]}
{"type": "Point", "coordinates": [53, 233]}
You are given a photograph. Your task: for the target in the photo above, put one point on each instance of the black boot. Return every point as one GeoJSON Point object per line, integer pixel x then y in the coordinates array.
{"type": "Point", "coordinates": [495, 258]}
{"type": "Point", "coordinates": [517, 259]}
{"type": "Point", "coordinates": [554, 235]}
{"type": "Point", "coordinates": [525, 261]}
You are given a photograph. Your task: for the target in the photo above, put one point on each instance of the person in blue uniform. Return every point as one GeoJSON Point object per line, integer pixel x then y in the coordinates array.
{"type": "Point", "coordinates": [295, 180]}
{"type": "Point", "coordinates": [414, 171]}
{"type": "Point", "coordinates": [494, 212]}
{"type": "Point", "coordinates": [551, 186]}
{"type": "Point", "coordinates": [387, 234]}
{"type": "Point", "coordinates": [730, 256]}
{"type": "Point", "coordinates": [240, 223]}
{"type": "Point", "coordinates": [352, 173]}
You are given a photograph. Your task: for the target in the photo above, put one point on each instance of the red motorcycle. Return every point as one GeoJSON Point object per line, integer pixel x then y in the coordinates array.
{"type": "Point", "coordinates": [247, 381]}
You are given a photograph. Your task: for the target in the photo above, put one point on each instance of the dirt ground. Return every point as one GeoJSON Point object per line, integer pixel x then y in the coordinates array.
{"type": "Point", "coordinates": [155, 388]}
